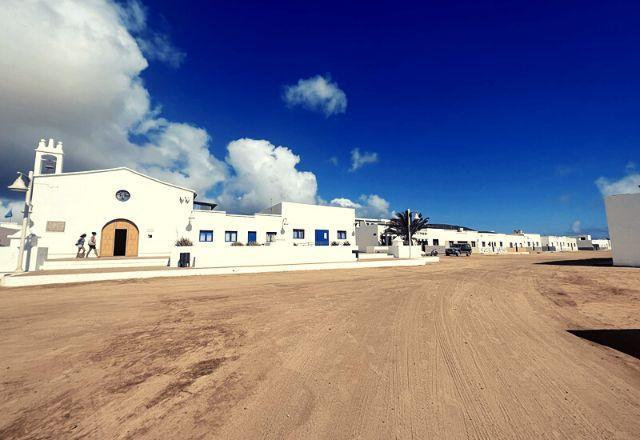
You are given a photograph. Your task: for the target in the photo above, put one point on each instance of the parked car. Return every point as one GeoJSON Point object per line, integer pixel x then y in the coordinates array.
{"type": "Point", "coordinates": [458, 249]}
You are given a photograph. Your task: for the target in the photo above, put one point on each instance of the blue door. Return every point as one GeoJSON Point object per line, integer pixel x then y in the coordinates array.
{"type": "Point", "coordinates": [252, 237]}
{"type": "Point", "coordinates": [322, 237]}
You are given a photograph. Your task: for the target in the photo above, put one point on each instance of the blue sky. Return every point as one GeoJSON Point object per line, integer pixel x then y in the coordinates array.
{"type": "Point", "coordinates": [494, 115]}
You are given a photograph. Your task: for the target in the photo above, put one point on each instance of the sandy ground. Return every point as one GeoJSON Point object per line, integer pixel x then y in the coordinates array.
{"type": "Point", "coordinates": [467, 348]}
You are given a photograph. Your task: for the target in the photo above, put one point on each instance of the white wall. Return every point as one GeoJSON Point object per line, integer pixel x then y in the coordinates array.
{"type": "Point", "coordinates": [8, 258]}
{"type": "Point", "coordinates": [219, 222]}
{"type": "Point", "coordinates": [403, 251]}
{"type": "Point", "coordinates": [623, 217]}
{"type": "Point", "coordinates": [368, 236]}
{"type": "Point", "coordinates": [560, 243]}
{"type": "Point", "coordinates": [231, 256]}
{"type": "Point", "coordinates": [602, 243]}
{"type": "Point", "coordinates": [445, 236]}
{"type": "Point", "coordinates": [86, 202]}
{"type": "Point", "coordinates": [312, 217]}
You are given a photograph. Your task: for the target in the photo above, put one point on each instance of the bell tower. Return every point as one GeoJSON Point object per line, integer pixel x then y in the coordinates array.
{"type": "Point", "coordinates": [49, 158]}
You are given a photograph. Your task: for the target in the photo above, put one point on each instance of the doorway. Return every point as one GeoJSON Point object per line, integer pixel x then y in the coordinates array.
{"type": "Point", "coordinates": [120, 243]}
{"type": "Point", "coordinates": [119, 238]}
{"type": "Point", "coordinates": [322, 237]}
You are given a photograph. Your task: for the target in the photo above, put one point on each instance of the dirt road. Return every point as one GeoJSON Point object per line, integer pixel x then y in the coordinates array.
{"type": "Point", "coordinates": [469, 348]}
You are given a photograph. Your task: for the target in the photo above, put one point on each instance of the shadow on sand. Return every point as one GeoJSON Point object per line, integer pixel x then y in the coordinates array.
{"type": "Point", "coordinates": [600, 262]}
{"type": "Point", "coordinates": [626, 340]}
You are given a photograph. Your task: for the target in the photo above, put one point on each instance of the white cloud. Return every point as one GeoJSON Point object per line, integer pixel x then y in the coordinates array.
{"type": "Point", "coordinates": [155, 45]}
{"type": "Point", "coordinates": [71, 70]}
{"type": "Point", "coordinates": [576, 227]}
{"type": "Point", "coordinates": [626, 185]}
{"type": "Point", "coordinates": [317, 93]}
{"type": "Point", "coordinates": [358, 160]}
{"type": "Point", "coordinates": [264, 174]}
{"type": "Point", "coordinates": [333, 160]}
{"type": "Point", "coordinates": [371, 206]}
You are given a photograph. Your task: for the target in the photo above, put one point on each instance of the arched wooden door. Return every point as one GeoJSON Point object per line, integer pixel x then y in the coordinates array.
{"type": "Point", "coordinates": [119, 238]}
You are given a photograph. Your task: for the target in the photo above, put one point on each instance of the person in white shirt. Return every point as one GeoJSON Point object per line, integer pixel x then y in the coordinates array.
{"type": "Point", "coordinates": [92, 245]}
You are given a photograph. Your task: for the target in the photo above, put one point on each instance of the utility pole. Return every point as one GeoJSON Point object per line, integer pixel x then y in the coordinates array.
{"type": "Point", "coordinates": [409, 229]}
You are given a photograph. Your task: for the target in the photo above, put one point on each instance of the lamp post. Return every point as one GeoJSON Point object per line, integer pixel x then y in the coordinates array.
{"type": "Point", "coordinates": [19, 186]}
{"type": "Point", "coordinates": [417, 216]}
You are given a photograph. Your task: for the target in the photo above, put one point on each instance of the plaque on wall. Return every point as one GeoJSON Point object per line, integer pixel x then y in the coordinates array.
{"type": "Point", "coordinates": [55, 226]}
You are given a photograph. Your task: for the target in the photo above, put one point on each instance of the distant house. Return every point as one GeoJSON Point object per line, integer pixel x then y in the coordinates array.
{"type": "Point", "coordinates": [587, 243]}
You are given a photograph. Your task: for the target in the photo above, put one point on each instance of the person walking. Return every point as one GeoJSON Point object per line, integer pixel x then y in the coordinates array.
{"type": "Point", "coordinates": [80, 246]}
{"type": "Point", "coordinates": [92, 245]}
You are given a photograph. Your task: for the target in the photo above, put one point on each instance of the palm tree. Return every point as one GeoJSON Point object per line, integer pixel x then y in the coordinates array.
{"type": "Point", "coordinates": [399, 225]}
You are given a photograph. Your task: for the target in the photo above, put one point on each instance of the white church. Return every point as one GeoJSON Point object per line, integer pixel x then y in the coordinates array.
{"type": "Point", "coordinates": [136, 216]}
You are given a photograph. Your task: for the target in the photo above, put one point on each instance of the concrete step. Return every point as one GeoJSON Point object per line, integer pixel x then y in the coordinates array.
{"type": "Point", "coordinates": [104, 263]}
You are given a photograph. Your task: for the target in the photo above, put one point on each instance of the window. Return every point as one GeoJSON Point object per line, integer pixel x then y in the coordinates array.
{"type": "Point", "coordinates": [451, 243]}
{"type": "Point", "coordinates": [206, 236]}
{"type": "Point", "coordinates": [271, 237]}
{"type": "Point", "coordinates": [473, 244]}
{"type": "Point", "coordinates": [231, 236]}
{"type": "Point", "coordinates": [500, 244]}
{"type": "Point", "coordinates": [510, 244]}
{"type": "Point", "coordinates": [298, 233]}
{"type": "Point", "coordinates": [426, 242]}
{"type": "Point", "coordinates": [342, 235]}
{"type": "Point", "coordinates": [436, 242]}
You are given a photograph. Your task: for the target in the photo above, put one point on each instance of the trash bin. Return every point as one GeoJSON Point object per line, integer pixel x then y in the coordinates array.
{"type": "Point", "coordinates": [185, 259]}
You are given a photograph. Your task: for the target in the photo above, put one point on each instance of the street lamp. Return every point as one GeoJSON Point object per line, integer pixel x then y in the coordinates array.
{"type": "Point", "coordinates": [416, 217]}
{"type": "Point", "coordinates": [20, 186]}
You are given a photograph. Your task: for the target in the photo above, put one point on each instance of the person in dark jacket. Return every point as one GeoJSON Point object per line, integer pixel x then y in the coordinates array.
{"type": "Point", "coordinates": [80, 246]}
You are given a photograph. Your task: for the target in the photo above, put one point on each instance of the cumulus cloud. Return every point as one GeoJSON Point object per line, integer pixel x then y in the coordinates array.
{"type": "Point", "coordinates": [71, 70]}
{"type": "Point", "coordinates": [333, 160]}
{"type": "Point", "coordinates": [576, 227]}
{"type": "Point", "coordinates": [155, 45]}
{"type": "Point", "coordinates": [317, 93]}
{"type": "Point", "coordinates": [264, 174]}
{"type": "Point", "coordinates": [626, 185]}
{"type": "Point", "coordinates": [358, 160]}
{"type": "Point", "coordinates": [371, 206]}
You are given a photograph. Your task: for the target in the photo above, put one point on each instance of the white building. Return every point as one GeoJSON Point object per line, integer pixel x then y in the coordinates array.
{"type": "Point", "coordinates": [135, 215]}
{"type": "Point", "coordinates": [623, 217]}
{"type": "Point", "coordinates": [587, 243]}
{"type": "Point", "coordinates": [554, 243]}
{"type": "Point", "coordinates": [371, 237]}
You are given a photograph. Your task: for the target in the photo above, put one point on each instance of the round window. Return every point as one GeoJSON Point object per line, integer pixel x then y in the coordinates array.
{"type": "Point", "coordinates": [123, 195]}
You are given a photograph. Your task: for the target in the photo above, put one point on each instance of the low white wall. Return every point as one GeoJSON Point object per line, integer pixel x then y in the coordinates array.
{"type": "Point", "coordinates": [403, 251]}
{"type": "Point", "coordinates": [377, 249]}
{"type": "Point", "coordinates": [262, 255]}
